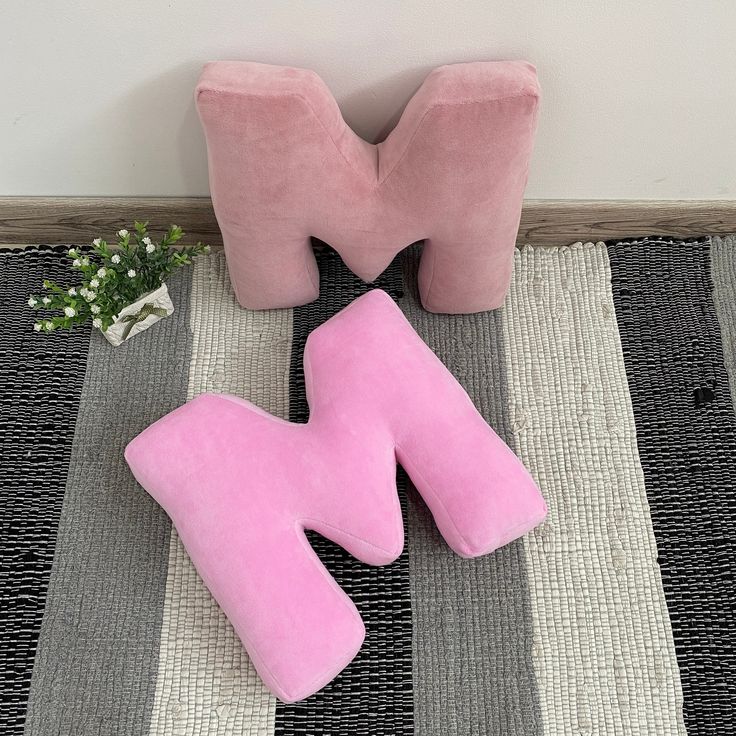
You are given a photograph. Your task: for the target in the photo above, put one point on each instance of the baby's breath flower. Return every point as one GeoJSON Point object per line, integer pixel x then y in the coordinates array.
{"type": "Point", "coordinates": [101, 293]}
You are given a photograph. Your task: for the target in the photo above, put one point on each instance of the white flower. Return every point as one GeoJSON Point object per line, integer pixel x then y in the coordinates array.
{"type": "Point", "coordinates": [73, 252]}
{"type": "Point", "coordinates": [150, 248]}
{"type": "Point", "coordinates": [122, 233]}
{"type": "Point", "coordinates": [76, 263]}
{"type": "Point", "coordinates": [94, 283]}
{"type": "Point", "coordinates": [70, 311]}
{"type": "Point", "coordinates": [90, 295]}
{"type": "Point", "coordinates": [85, 261]}
{"type": "Point", "coordinates": [131, 272]}
{"type": "Point", "coordinates": [95, 309]}
{"type": "Point", "coordinates": [115, 258]}
{"type": "Point", "coordinates": [46, 300]}
{"type": "Point", "coordinates": [97, 241]}
{"type": "Point", "coordinates": [97, 322]}
{"type": "Point", "coordinates": [48, 325]}
{"type": "Point", "coordinates": [37, 327]}
{"type": "Point", "coordinates": [32, 301]}
{"type": "Point", "coordinates": [101, 273]}
{"type": "Point", "coordinates": [72, 292]}
{"type": "Point", "coordinates": [146, 241]}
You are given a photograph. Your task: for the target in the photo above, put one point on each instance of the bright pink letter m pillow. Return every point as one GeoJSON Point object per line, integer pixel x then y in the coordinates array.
{"type": "Point", "coordinates": [241, 486]}
{"type": "Point", "coordinates": [284, 166]}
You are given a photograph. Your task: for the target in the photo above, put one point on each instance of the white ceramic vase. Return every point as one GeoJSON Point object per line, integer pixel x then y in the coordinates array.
{"type": "Point", "coordinates": [140, 315]}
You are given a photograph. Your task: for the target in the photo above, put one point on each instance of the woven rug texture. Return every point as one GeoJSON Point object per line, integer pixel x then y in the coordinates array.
{"type": "Point", "coordinates": [610, 370]}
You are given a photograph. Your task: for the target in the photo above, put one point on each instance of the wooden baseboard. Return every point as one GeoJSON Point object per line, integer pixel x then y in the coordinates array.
{"type": "Point", "coordinates": [563, 221]}
{"type": "Point", "coordinates": [543, 222]}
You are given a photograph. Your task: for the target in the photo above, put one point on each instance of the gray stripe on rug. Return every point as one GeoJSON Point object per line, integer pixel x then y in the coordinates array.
{"type": "Point", "coordinates": [206, 683]}
{"type": "Point", "coordinates": [723, 273]}
{"type": "Point", "coordinates": [95, 668]}
{"type": "Point", "coordinates": [603, 646]}
{"type": "Point", "coordinates": [472, 619]}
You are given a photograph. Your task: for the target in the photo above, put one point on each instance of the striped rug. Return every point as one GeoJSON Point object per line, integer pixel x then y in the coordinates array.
{"type": "Point", "coordinates": [611, 371]}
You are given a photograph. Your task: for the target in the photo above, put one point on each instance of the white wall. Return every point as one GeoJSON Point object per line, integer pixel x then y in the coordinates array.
{"type": "Point", "coordinates": [639, 95]}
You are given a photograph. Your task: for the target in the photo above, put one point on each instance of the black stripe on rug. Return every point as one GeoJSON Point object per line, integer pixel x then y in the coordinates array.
{"type": "Point", "coordinates": [41, 377]}
{"type": "Point", "coordinates": [686, 433]}
{"type": "Point", "coordinates": [373, 695]}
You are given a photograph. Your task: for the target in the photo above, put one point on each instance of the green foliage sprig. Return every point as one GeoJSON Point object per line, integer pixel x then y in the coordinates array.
{"type": "Point", "coordinates": [113, 276]}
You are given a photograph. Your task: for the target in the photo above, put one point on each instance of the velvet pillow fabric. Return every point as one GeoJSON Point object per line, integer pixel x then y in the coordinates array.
{"type": "Point", "coordinates": [285, 166]}
{"type": "Point", "coordinates": [241, 486]}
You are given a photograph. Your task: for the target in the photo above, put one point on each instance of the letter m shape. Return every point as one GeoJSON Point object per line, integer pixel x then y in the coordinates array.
{"type": "Point", "coordinates": [241, 487]}
{"type": "Point", "coordinates": [285, 166]}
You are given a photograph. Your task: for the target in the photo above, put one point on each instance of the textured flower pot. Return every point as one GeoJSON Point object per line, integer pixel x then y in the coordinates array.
{"type": "Point", "coordinates": [140, 315]}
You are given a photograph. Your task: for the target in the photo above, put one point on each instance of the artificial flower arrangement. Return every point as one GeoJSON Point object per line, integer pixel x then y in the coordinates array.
{"type": "Point", "coordinates": [122, 289]}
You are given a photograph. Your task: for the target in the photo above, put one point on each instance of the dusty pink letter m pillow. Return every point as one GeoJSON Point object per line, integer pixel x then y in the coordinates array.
{"type": "Point", "coordinates": [284, 166]}
{"type": "Point", "coordinates": [241, 486]}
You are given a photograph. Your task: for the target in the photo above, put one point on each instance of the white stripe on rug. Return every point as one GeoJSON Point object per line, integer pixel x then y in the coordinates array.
{"type": "Point", "coordinates": [206, 683]}
{"type": "Point", "coordinates": [603, 649]}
